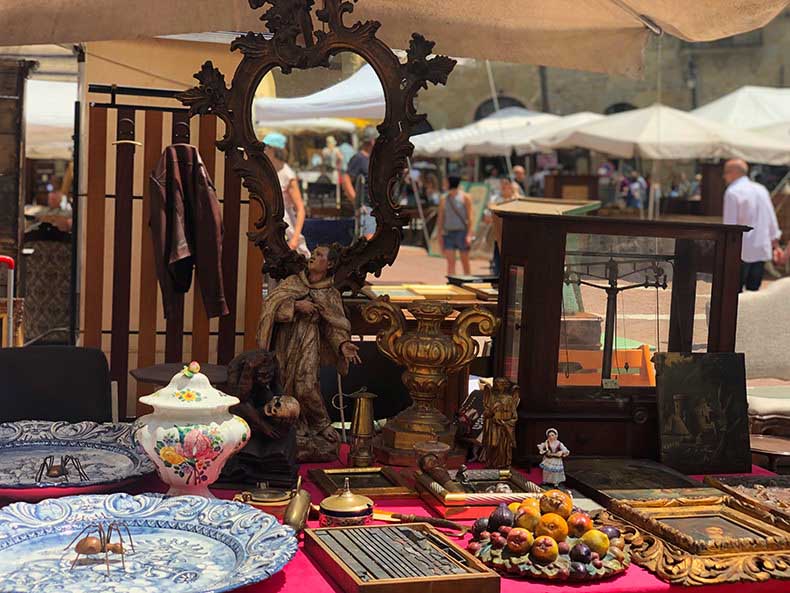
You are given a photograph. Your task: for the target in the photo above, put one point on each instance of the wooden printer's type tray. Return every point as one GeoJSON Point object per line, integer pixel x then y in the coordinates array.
{"type": "Point", "coordinates": [407, 558]}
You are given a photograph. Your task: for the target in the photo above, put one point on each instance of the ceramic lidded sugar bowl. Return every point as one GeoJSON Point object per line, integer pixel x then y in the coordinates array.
{"type": "Point", "coordinates": [191, 434]}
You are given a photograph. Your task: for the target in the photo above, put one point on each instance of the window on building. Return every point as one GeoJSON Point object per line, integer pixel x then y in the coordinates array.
{"type": "Point", "coordinates": [618, 108]}
{"type": "Point", "coordinates": [422, 128]}
{"type": "Point", "coordinates": [487, 107]}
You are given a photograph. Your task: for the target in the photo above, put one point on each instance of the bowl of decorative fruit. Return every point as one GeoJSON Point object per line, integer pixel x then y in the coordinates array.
{"type": "Point", "coordinates": [548, 538]}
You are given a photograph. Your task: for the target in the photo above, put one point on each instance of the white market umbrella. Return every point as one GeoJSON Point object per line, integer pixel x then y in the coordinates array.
{"type": "Point", "coordinates": [595, 35]}
{"type": "Point", "coordinates": [316, 125]}
{"type": "Point", "coordinates": [49, 119]}
{"type": "Point", "coordinates": [359, 96]}
{"type": "Point", "coordinates": [749, 107]}
{"type": "Point", "coordinates": [523, 138]}
{"type": "Point", "coordinates": [661, 132]}
{"type": "Point", "coordinates": [452, 143]}
{"type": "Point", "coordinates": [780, 131]}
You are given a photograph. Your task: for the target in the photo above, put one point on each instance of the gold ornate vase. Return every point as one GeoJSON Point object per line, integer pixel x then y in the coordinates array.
{"type": "Point", "coordinates": [429, 356]}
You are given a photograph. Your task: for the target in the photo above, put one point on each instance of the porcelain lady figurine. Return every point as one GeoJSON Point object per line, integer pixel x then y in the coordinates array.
{"type": "Point", "coordinates": [191, 433]}
{"type": "Point", "coordinates": [553, 452]}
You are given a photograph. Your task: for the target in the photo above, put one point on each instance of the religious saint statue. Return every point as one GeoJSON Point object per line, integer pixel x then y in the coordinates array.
{"type": "Point", "coordinates": [500, 405]}
{"type": "Point", "coordinates": [303, 321]}
{"type": "Point", "coordinates": [553, 452]}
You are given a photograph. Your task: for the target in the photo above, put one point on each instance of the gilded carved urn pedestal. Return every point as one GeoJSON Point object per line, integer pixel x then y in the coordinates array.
{"type": "Point", "coordinates": [430, 356]}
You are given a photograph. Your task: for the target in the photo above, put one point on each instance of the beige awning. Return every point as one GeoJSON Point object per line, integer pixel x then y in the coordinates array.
{"type": "Point", "coordinates": [596, 35]}
{"type": "Point", "coordinates": [661, 132]}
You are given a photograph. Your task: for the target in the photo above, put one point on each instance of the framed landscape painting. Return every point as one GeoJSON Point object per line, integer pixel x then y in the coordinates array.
{"type": "Point", "coordinates": [702, 412]}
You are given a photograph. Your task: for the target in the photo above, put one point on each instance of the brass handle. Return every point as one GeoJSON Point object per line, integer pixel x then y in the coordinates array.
{"type": "Point", "coordinates": [134, 142]}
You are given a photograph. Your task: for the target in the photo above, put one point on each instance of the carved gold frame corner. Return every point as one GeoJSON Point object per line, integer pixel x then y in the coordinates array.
{"type": "Point", "coordinates": [681, 559]}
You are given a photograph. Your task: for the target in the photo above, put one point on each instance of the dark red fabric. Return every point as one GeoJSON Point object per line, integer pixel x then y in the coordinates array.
{"type": "Point", "coordinates": [187, 229]}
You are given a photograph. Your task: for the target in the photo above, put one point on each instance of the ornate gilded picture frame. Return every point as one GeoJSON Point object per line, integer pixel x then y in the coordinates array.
{"type": "Point", "coordinates": [291, 43]}
{"type": "Point", "coordinates": [702, 541]}
{"type": "Point", "coordinates": [376, 482]}
{"type": "Point", "coordinates": [771, 493]}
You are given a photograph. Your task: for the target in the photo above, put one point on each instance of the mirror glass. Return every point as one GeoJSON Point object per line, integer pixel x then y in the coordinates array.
{"type": "Point", "coordinates": [319, 126]}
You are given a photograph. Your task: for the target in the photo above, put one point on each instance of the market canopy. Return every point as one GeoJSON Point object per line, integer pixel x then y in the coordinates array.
{"type": "Point", "coordinates": [453, 142]}
{"type": "Point", "coordinates": [595, 35]}
{"type": "Point", "coordinates": [661, 132]}
{"type": "Point", "coordinates": [49, 119]}
{"type": "Point", "coordinates": [749, 107]}
{"type": "Point", "coordinates": [360, 97]}
{"type": "Point", "coordinates": [316, 125]}
{"type": "Point", "coordinates": [523, 139]}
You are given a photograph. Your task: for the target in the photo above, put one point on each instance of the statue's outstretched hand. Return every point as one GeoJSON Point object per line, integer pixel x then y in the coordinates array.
{"type": "Point", "coordinates": [350, 352]}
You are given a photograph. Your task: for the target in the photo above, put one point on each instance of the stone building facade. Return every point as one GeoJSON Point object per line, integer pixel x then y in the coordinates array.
{"type": "Point", "coordinates": [690, 72]}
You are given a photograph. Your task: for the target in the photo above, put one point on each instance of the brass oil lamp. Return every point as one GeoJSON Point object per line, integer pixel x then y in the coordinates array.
{"type": "Point", "coordinates": [430, 356]}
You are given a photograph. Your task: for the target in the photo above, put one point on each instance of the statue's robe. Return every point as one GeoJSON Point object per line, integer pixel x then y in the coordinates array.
{"type": "Point", "coordinates": [302, 344]}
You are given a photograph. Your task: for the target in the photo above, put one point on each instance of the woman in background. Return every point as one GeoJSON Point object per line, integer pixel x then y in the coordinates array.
{"type": "Point", "coordinates": [294, 214]}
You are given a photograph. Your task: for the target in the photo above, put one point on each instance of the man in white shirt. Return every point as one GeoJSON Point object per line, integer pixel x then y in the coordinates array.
{"type": "Point", "coordinates": [749, 203]}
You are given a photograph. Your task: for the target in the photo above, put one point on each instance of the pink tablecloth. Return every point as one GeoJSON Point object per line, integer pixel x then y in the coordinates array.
{"type": "Point", "coordinates": [303, 575]}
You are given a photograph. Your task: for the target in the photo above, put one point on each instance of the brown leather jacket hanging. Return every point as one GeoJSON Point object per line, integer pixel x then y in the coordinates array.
{"type": "Point", "coordinates": [187, 230]}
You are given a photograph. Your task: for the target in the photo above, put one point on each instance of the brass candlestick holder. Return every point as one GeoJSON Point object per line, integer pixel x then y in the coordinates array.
{"type": "Point", "coordinates": [429, 356]}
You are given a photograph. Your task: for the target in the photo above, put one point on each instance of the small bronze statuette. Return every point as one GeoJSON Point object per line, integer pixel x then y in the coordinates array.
{"type": "Point", "coordinates": [90, 545]}
{"type": "Point", "coordinates": [51, 470]}
{"type": "Point", "coordinates": [500, 405]}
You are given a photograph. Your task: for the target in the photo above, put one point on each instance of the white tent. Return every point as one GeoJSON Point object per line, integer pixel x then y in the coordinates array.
{"type": "Point", "coordinates": [523, 138]}
{"type": "Point", "coordinates": [661, 132]}
{"type": "Point", "coordinates": [453, 142]}
{"type": "Point", "coordinates": [316, 125]}
{"type": "Point", "coordinates": [597, 35]}
{"type": "Point", "coordinates": [359, 96]}
{"type": "Point", "coordinates": [49, 119]}
{"type": "Point", "coordinates": [780, 130]}
{"type": "Point", "coordinates": [749, 107]}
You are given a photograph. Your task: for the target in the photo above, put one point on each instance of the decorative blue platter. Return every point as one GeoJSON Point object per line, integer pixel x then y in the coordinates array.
{"type": "Point", "coordinates": [105, 452]}
{"type": "Point", "coordinates": [183, 544]}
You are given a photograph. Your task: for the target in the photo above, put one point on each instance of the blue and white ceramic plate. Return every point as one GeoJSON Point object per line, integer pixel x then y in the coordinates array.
{"type": "Point", "coordinates": [105, 452]}
{"type": "Point", "coordinates": [183, 544]}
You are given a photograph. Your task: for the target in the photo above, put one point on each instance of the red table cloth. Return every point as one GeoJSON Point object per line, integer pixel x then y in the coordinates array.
{"type": "Point", "coordinates": [303, 575]}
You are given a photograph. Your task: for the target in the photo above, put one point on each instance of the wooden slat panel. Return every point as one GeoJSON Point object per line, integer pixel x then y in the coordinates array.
{"type": "Point", "coordinates": [94, 226]}
{"type": "Point", "coordinates": [122, 261]}
{"type": "Point", "coordinates": [252, 308]}
{"type": "Point", "coordinates": [174, 341]}
{"type": "Point", "coordinates": [231, 214]}
{"type": "Point", "coordinates": [146, 345]}
{"type": "Point", "coordinates": [200, 325]}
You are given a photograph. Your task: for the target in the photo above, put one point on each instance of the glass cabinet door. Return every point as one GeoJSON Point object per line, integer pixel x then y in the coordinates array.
{"type": "Point", "coordinates": [513, 315]}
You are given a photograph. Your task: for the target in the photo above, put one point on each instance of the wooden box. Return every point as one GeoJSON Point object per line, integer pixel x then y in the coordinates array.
{"type": "Point", "coordinates": [477, 579]}
{"type": "Point", "coordinates": [472, 505]}
{"type": "Point", "coordinates": [602, 399]}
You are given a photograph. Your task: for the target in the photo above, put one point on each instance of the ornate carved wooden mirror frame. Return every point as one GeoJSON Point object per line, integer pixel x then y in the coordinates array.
{"type": "Point", "coordinates": [294, 44]}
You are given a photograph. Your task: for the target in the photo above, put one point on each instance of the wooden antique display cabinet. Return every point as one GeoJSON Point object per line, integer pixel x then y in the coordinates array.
{"type": "Point", "coordinates": [585, 301]}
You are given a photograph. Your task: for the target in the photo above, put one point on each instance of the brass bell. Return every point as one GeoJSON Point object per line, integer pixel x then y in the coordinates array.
{"type": "Point", "coordinates": [362, 430]}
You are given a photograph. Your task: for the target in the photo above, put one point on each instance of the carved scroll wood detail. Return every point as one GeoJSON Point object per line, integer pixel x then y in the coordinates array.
{"type": "Point", "coordinates": [293, 43]}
